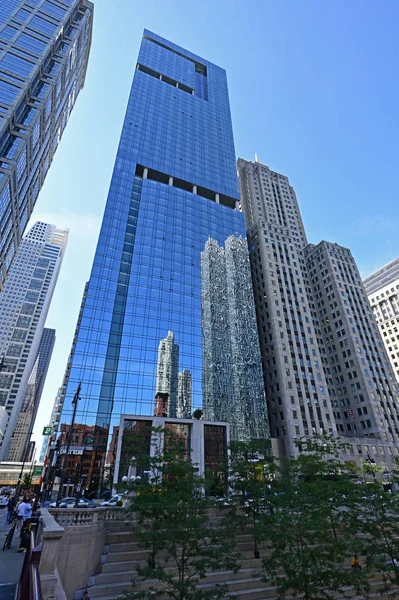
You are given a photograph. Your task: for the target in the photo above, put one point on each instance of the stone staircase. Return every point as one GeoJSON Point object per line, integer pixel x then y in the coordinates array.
{"type": "Point", "coordinates": [122, 555]}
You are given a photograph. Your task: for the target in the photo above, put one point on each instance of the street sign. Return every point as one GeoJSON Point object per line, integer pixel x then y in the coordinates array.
{"type": "Point", "coordinates": [37, 470]}
{"type": "Point", "coordinates": [46, 430]}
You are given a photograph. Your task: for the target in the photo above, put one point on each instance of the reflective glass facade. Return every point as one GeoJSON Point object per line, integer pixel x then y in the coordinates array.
{"type": "Point", "coordinates": [44, 49]}
{"type": "Point", "coordinates": [174, 186]}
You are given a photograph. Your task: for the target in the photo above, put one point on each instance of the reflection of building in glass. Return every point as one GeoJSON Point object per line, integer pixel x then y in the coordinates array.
{"type": "Point", "coordinates": [24, 303]}
{"type": "Point", "coordinates": [161, 405]}
{"type": "Point", "coordinates": [184, 389]}
{"type": "Point", "coordinates": [84, 464]}
{"type": "Point", "coordinates": [167, 368]}
{"type": "Point", "coordinates": [174, 184]}
{"type": "Point", "coordinates": [44, 53]}
{"type": "Point", "coordinates": [233, 389]}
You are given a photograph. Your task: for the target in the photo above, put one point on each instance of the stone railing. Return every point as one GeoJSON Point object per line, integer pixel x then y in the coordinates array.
{"type": "Point", "coordinates": [70, 517]}
{"type": "Point", "coordinates": [49, 576]}
{"type": "Point", "coordinates": [82, 543]}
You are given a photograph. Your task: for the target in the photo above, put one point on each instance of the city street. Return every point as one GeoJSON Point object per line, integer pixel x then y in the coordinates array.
{"type": "Point", "coordinates": [10, 562]}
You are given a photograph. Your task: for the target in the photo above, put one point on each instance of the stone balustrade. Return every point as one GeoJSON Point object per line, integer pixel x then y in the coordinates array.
{"type": "Point", "coordinates": [82, 544]}
{"type": "Point", "coordinates": [52, 534]}
{"type": "Point", "coordinates": [70, 517]}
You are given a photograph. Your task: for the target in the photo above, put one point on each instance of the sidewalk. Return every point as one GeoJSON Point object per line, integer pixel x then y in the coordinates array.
{"type": "Point", "coordinates": [10, 561]}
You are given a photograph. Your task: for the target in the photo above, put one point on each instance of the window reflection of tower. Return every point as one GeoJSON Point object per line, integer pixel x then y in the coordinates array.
{"type": "Point", "coordinates": [232, 380]}
{"type": "Point", "coordinates": [167, 371]}
{"type": "Point", "coordinates": [184, 390]}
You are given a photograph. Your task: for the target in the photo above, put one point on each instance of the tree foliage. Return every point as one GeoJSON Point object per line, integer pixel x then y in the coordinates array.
{"type": "Point", "coordinates": [172, 517]}
{"type": "Point", "coordinates": [27, 481]}
{"type": "Point", "coordinates": [308, 516]}
{"type": "Point", "coordinates": [375, 517]}
{"type": "Point", "coordinates": [306, 534]}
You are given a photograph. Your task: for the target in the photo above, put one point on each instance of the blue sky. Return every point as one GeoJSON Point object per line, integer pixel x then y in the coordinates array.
{"type": "Point", "coordinates": [313, 91]}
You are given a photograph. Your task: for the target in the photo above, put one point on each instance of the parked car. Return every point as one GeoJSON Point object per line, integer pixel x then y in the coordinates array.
{"type": "Point", "coordinates": [3, 501]}
{"type": "Point", "coordinates": [70, 503]}
{"type": "Point", "coordinates": [113, 501]}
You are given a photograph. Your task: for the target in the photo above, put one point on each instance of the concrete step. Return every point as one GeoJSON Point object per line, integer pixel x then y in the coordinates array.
{"type": "Point", "coordinates": [118, 566]}
{"type": "Point", "coordinates": [116, 537]}
{"type": "Point", "coordinates": [240, 583]}
{"type": "Point", "coordinates": [132, 556]}
{"type": "Point", "coordinates": [119, 537]}
{"type": "Point", "coordinates": [123, 547]}
{"type": "Point", "coordinates": [117, 582]}
{"type": "Point", "coordinates": [127, 574]}
{"type": "Point", "coordinates": [259, 593]}
{"type": "Point", "coordinates": [115, 576]}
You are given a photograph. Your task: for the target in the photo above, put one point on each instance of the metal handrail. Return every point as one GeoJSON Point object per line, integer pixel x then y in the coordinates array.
{"type": "Point", "coordinates": [35, 587]}
{"type": "Point", "coordinates": [29, 587]}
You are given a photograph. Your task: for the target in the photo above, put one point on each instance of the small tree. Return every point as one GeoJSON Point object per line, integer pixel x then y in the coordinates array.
{"type": "Point", "coordinates": [251, 476]}
{"type": "Point", "coordinates": [308, 539]}
{"type": "Point", "coordinates": [27, 481]}
{"type": "Point", "coordinates": [171, 517]}
{"type": "Point", "coordinates": [375, 515]}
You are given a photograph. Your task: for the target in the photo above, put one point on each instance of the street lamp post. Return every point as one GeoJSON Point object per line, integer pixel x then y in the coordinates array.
{"type": "Point", "coordinates": [253, 460]}
{"type": "Point", "coordinates": [69, 438]}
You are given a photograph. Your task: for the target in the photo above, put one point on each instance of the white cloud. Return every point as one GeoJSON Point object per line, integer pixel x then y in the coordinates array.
{"type": "Point", "coordinates": [376, 224]}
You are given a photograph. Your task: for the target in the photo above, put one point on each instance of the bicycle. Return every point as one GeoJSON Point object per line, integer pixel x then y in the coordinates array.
{"type": "Point", "coordinates": [9, 536]}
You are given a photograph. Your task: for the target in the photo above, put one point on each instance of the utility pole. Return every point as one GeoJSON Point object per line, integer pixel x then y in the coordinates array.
{"type": "Point", "coordinates": [75, 400]}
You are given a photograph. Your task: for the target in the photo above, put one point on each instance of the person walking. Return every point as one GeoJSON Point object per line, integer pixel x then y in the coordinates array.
{"type": "Point", "coordinates": [10, 509]}
{"type": "Point", "coordinates": [28, 509]}
{"type": "Point", "coordinates": [21, 513]}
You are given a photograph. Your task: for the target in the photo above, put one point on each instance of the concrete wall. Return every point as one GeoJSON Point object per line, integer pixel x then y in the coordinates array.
{"type": "Point", "coordinates": [79, 552]}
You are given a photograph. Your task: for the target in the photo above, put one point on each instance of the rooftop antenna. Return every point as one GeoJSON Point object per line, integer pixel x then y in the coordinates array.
{"type": "Point", "coordinates": [256, 157]}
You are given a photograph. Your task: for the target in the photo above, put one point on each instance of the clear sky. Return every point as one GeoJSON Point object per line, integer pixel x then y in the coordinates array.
{"type": "Point", "coordinates": [314, 91]}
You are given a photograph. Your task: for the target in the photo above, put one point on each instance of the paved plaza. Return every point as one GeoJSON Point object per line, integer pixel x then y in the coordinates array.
{"type": "Point", "coordinates": [10, 562]}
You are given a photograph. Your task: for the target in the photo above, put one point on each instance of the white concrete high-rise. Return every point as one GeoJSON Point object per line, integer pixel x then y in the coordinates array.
{"type": "Point", "coordinates": [382, 288]}
{"type": "Point", "coordinates": [324, 365]}
{"type": "Point", "coordinates": [33, 396]}
{"type": "Point", "coordinates": [24, 303]}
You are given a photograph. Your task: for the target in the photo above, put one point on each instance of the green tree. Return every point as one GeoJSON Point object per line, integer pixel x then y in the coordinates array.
{"type": "Point", "coordinates": [172, 517]}
{"type": "Point", "coordinates": [27, 481]}
{"type": "Point", "coordinates": [308, 537]}
{"type": "Point", "coordinates": [375, 516]}
{"type": "Point", "coordinates": [251, 474]}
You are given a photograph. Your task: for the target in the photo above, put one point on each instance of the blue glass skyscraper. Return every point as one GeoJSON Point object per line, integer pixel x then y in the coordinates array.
{"type": "Point", "coordinates": [174, 185]}
{"type": "Point", "coordinates": [44, 50]}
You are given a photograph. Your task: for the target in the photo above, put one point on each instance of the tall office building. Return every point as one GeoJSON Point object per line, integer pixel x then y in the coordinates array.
{"type": "Point", "coordinates": [174, 184]}
{"type": "Point", "coordinates": [324, 366]}
{"type": "Point", "coordinates": [19, 441]}
{"type": "Point", "coordinates": [44, 50]}
{"type": "Point", "coordinates": [232, 381]}
{"type": "Point", "coordinates": [382, 288]}
{"type": "Point", "coordinates": [33, 394]}
{"type": "Point", "coordinates": [25, 301]}
{"type": "Point", "coordinates": [184, 392]}
{"type": "Point", "coordinates": [167, 370]}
